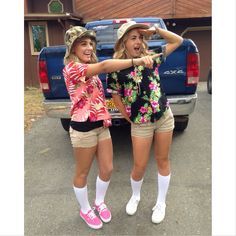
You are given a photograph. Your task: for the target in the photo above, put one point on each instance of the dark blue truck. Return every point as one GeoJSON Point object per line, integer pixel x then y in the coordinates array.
{"type": "Point", "coordinates": [179, 73]}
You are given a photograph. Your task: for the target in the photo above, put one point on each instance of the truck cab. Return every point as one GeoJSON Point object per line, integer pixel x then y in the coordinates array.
{"type": "Point", "coordinates": [179, 74]}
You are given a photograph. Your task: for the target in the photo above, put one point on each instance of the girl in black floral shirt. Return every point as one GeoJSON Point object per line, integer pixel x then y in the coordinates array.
{"type": "Point", "coordinates": [137, 93]}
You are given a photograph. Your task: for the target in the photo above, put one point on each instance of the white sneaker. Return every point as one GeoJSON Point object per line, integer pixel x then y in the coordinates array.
{"type": "Point", "coordinates": [159, 211]}
{"type": "Point", "coordinates": [132, 206]}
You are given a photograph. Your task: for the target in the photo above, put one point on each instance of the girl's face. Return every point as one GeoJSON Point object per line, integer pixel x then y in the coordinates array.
{"type": "Point", "coordinates": [83, 49]}
{"type": "Point", "coordinates": [133, 43]}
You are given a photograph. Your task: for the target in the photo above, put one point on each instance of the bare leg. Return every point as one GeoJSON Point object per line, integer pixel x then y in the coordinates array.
{"type": "Point", "coordinates": [162, 144]}
{"type": "Point", "coordinates": [105, 163]}
{"type": "Point", "coordinates": [161, 148]}
{"type": "Point", "coordinates": [83, 161]}
{"type": "Point", "coordinates": [141, 151]}
{"type": "Point", "coordinates": [104, 156]}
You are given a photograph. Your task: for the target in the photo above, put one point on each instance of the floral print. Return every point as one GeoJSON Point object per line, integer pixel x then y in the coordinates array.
{"type": "Point", "coordinates": [141, 92]}
{"type": "Point", "coordinates": [86, 94]}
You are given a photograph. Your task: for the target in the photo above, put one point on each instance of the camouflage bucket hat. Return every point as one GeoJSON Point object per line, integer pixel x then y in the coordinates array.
{"type": "Point", "coordinates": [74, 33]}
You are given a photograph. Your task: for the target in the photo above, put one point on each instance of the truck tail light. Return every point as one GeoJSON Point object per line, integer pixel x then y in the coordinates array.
{"type": "Point", "coordinates": [193, 68]}
{"type": "Point", "coordinates": [43, 76]}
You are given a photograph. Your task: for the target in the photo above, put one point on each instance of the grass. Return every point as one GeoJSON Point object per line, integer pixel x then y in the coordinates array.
{"type": "Point", "coordinates": [33, 108]}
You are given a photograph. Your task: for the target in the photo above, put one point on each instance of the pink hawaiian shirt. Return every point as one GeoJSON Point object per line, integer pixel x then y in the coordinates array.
{"type": "Point", "coordinates": [86, 94]}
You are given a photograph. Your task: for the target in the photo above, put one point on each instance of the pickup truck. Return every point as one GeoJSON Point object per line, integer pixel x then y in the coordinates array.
{"type": "Point", "coordinates": [179, 73]}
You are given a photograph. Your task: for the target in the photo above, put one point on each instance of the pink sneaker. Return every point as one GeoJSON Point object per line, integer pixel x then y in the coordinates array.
{"type": "Point", "coordinates": [103, 212]}
{"type": "Point", "coordinates": [91, 219]}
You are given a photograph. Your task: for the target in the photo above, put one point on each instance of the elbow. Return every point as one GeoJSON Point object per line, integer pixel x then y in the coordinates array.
{"type": "Point", "coordinates": [180, 40]}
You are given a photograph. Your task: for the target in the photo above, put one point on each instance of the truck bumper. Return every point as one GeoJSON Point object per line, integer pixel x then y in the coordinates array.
{"type": "Point", "coordinates": [59, 108]}
{"type": "Point", "coordinates": [180, 105]}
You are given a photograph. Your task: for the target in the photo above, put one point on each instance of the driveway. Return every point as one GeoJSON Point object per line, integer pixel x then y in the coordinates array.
{"type": "Point", "coordinates": [50, 204]}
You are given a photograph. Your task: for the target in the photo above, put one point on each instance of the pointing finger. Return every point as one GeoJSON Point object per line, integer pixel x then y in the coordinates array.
{"type": "Point", "coordinates": [156, 55]}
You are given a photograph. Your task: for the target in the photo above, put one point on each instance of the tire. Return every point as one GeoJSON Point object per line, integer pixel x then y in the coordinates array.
{"type": "Point", "coordinates": [209, 83]}
{"type": "Point", "coordinates": [65, 124]}
{"type": "Point", "coordinates": [181, 123]}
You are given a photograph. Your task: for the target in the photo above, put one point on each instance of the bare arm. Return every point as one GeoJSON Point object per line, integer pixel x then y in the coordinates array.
{"type": "Point", "coordinates": [120, 106]}
{"type": "Point", "coordinates": [111, 65]}
{"type": "Point", "coordinates": [173, 40]}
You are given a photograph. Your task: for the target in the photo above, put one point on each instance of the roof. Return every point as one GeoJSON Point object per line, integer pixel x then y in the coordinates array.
{"type": "Point", "coordinates": [49, 16]}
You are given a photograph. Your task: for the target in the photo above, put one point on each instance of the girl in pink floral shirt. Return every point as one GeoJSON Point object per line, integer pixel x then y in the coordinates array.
{"type": "Point", "coordinates": [90, 119]}
{"type": "Point", "coordinates": [87, 95]}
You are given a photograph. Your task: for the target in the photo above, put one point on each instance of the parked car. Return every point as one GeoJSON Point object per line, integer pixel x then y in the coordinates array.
{"type": "Point", "coordinates": [209, 84]}
{"type": "Point", "coordinates": [179, 74]}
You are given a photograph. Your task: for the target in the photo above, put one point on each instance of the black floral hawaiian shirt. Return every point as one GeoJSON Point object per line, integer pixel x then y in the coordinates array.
{"type": "Point", "coordinates": [141, 92]}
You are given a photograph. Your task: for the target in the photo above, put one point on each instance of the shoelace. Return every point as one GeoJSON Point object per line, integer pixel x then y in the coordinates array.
{"type": "Point", "coordinates": [136, 201]}
{"type": "Point", "coordinates": [157, 206]}
{"type": "Point", "coordinates": [91, 215]}
{"type": "Point", "coordinates": [102, 207]}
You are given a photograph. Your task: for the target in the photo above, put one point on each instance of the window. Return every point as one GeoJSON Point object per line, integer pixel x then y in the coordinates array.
{"type": "Point", "coordinates": [108, 33]}
{"type": "Point", "coordinates": [38, 32]}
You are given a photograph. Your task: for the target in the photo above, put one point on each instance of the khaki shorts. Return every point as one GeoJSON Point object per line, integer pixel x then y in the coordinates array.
{"type": "Point", "coordinates": [164, 124]}
{"type": "Point", "coordinates": [90, 138]}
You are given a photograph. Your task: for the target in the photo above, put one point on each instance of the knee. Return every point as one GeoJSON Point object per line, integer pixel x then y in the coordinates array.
{"type": "Point", "coordinates": [106, 171]}
{"type": "Point", "coordinates": [138, 171]}
{"type": "Point", "coordinates": [162, 162]}
{"type": "Point", "coordinates": [80, 180]}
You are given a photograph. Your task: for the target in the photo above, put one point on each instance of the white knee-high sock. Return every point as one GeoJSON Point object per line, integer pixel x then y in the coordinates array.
{"type": "Point", "coordinates": [101, 189]}
{"type": "Point", "coordinates": [136, 188]}
{"type": "Point", "coordinates": [163, 185]}
{"type": "Point", "coordinates": [82, 197]}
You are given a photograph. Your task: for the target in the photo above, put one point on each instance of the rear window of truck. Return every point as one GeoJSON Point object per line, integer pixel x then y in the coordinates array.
{"type": "Point", "coordinates": [108, 33]}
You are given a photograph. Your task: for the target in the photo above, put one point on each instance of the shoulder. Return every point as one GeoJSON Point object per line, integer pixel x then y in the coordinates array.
{"type": "Point", "coordinates": [77, 65]}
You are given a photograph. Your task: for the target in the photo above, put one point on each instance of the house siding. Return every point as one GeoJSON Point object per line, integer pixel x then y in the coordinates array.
{"type": "Point", "coordinates": [177, 14]}
{"type": "Point", "coordinates": [91, 10]}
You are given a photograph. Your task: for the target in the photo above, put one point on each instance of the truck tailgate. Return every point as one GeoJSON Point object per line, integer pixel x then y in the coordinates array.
{"type": "Point", "coordinates": [173, 72]}
{"type": "Point", "coordinates": [54, 58]}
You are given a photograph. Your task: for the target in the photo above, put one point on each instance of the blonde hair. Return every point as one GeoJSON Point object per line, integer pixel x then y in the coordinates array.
{"type": "Point", "coordinates": [121, 51]}
{"type": "Point", "coordinates": [74, 58]}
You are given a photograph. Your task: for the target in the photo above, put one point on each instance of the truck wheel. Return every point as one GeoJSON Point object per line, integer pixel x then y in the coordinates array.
{"type": "Point", "coordinates": [181, 123]}
{"type": "Point", "coordinates": [209, 83]}
{"type": "Point", "coordinates": [65, 124]}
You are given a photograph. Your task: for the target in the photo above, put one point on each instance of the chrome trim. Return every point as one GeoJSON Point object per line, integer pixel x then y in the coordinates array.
{"type": "Point", "coordinates": [59, 108]}
{"type": "Point", "coordinates": [180, 105]}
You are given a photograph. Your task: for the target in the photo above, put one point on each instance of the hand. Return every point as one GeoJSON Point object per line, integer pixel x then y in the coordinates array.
{"type": "Point", "coordinates": [107, 123]}
{"type": "Point", "coordinates": [146, 61]}
{"type": "Point", "coordinates": [147, 32]}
